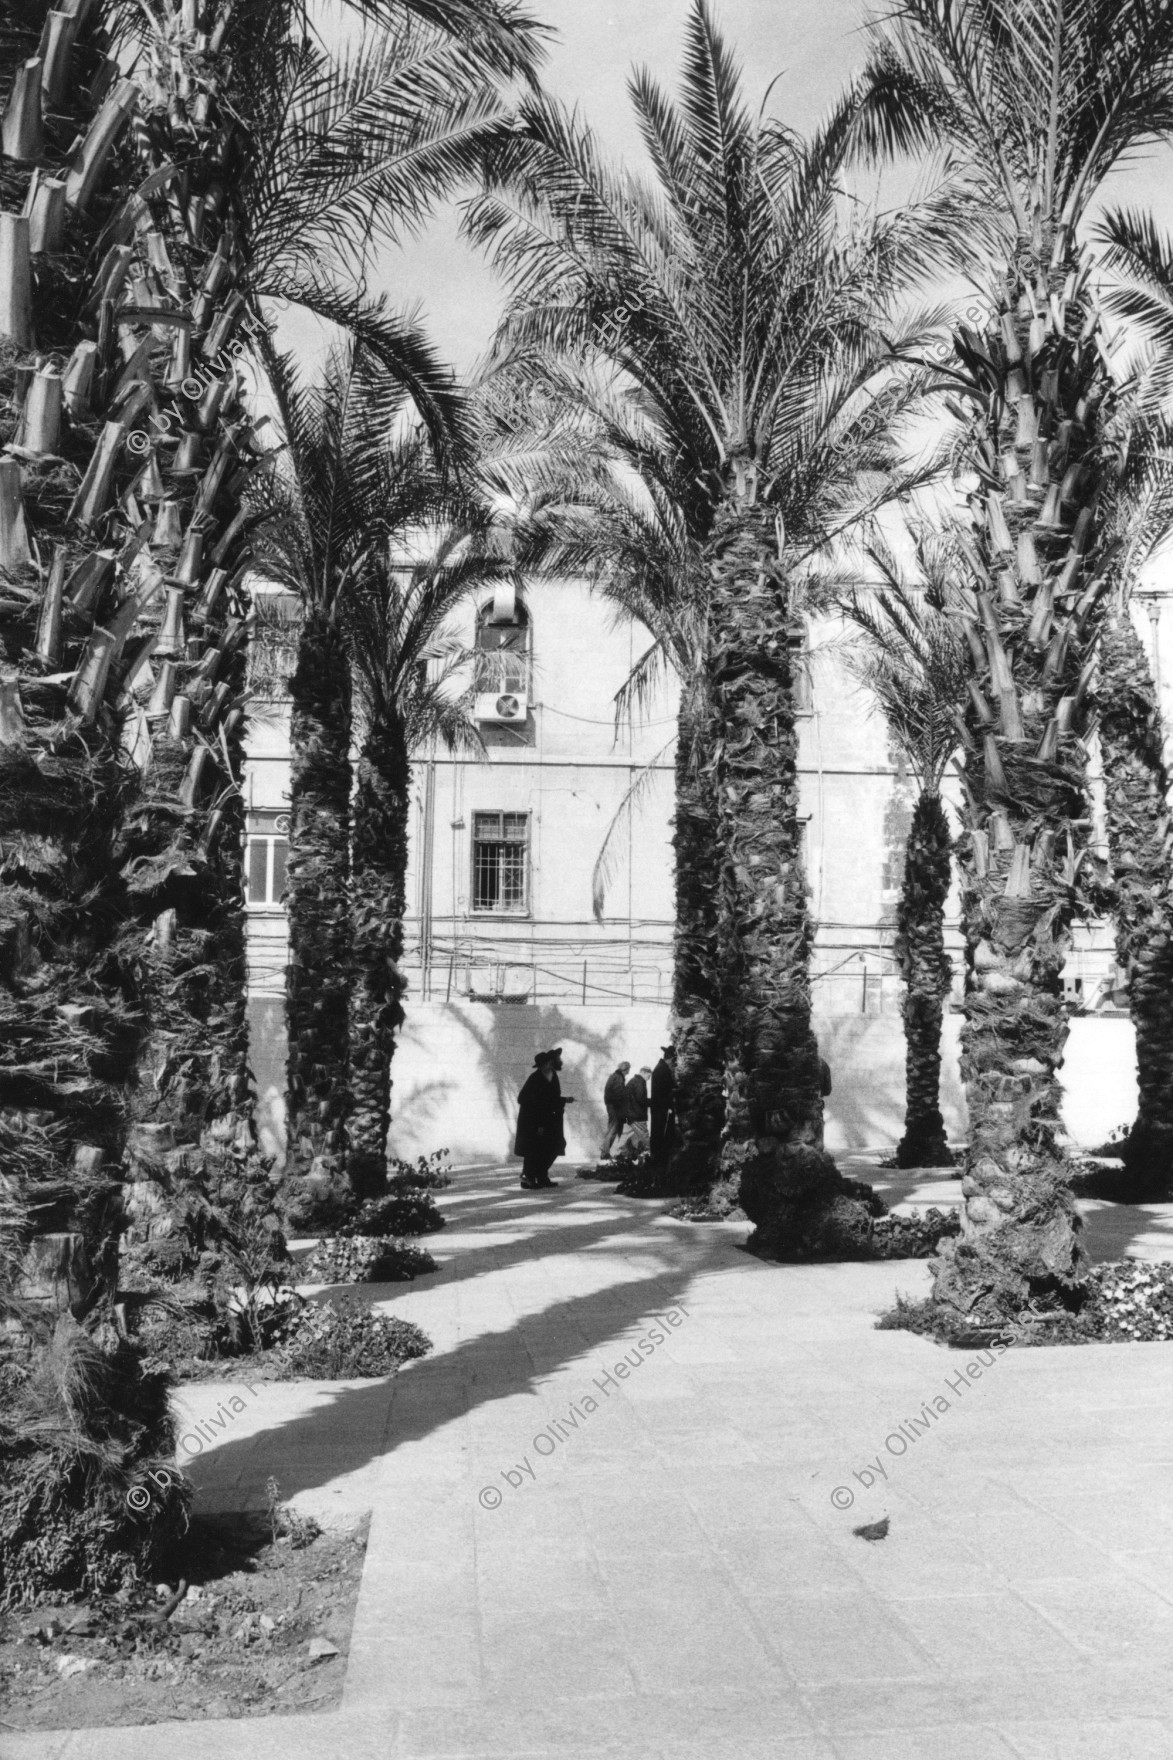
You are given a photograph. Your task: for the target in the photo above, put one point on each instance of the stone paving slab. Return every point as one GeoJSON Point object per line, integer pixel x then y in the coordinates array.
{"type": "Point", "coordinates": [597, 1533]}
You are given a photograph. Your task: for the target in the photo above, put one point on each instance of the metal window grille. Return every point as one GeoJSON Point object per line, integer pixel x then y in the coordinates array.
{"type": "Point", "coordinates": [500, 862]}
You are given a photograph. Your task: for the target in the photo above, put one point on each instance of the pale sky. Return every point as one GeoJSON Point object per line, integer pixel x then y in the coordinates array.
{"type": "Point", "coordinates": [814, 45]}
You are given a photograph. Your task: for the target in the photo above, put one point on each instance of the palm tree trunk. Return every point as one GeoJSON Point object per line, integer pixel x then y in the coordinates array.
{"type": "Point", "coordinates": [69, 1025]}
{"type": "Point", "coordinates": [379, 902]}
{"type": "Point", "coordinates": [774, 1110]}
{"type": "Point", "coordinates": [1137, 784]}
{"type": "Point", "coordinates": [317, 997]}
{"type": "Point", "coordinates": [1024, 857]}
{"type": "Point", "coordinates": [74, 609]}
{"type": "Point", "coordinates": [925, 968]}
{"type": "Point", "coordinates": [183, 728]}
{"type": "Point", "coordinates": [696, 1020]}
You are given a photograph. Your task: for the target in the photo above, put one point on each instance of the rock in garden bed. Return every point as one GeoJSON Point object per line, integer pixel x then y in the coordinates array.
{"type": "Point", "coordinates": [262, 1628]}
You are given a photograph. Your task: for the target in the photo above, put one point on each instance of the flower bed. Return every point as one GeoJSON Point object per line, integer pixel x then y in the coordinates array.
{"type": "Point", "coordinates": [336, 1340]}
{"type": "Point", "coordinates": [1126, 1301]}
{"type": "Point", "coordinates": [1131, 1301]}
{"type": "Point", "coordinates": [361, 1258]}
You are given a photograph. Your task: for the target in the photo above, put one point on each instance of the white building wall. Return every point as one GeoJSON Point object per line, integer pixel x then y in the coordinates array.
{"type": "Point", "coordinates": [486, 991]}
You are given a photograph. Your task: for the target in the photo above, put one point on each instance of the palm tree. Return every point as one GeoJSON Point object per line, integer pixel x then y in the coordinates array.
{"type": "Point", "coordinates": [1132, 732]}
{"type": "Point", "coordinates": [725, 303]}
{"type": "Point", "coordinates": [132, 270]}
{"type": "Point", "coordinates": [330, 154]}
{"type": "Point", "coordinates": [551, 441]}
{"type": "Point", "coordinates": [913, 661]}
{"type": "Point", "coordinates": [345, 483]}
{"type": "Point", "coordinates": [403, 666]}
{"type": "Point", "coordinates": [1038, 100]}
{"type": "Point", "coordinates": [635, 545]}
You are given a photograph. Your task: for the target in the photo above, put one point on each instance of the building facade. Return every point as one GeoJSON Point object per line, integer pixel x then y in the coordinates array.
{"type": "Point", "coordinates": [541, 882]}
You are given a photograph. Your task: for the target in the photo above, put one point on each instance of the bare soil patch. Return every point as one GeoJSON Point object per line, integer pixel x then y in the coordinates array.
{"type": "Point", "coordinates": [264, 1627]}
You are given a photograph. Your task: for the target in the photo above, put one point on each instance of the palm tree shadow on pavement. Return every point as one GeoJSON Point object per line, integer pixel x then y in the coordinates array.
{"type": "Point", "coordinates": [356, 1425]}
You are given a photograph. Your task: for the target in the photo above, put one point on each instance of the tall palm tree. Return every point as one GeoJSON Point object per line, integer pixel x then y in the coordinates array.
{"type": "Point", "coordinates": [1139, 512]}
{"type": "Point", "coordinates": [330, 154]}
{"type": "Point", "coordinates": [913, 661]}
{"type": "Point", "coordinates": [129, 135]}
{"type": "Point", "coordinates": [342, 488]}
{"type": "Point", "coordinates": [1039, 100]}
{"type": "Point", "coordinates": [118, 258]}
{"type": "Point", "coordinates": [404, 668]}
{"type": "Point", "coordinates": [746, 327]}
{"type": "Point", "coordinates": [553, 439]}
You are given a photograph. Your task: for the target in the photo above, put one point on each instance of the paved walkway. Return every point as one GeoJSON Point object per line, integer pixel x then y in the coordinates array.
{"type": "Point", "coordinates": [598, 1532]}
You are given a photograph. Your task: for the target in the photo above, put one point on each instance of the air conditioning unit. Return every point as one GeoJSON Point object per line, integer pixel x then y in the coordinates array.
{"type": "Point", "coordinates": [500, 709]}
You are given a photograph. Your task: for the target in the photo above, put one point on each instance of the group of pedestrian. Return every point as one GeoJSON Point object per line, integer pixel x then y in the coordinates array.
{"type": "Point", "coordinates": [639, 1110]}
{"type": "Point", "coordinates": [640, 1117]}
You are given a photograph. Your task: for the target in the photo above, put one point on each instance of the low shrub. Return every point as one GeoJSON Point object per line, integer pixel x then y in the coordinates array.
{"type": "Point", "coordinates": [90, 1499]}
{"type": "Point", "coordinates": [1127, 1301]}
{"type": "Point", "coordinates": [365, 1259]}
{"type": "Point", "coordinates": [405, 1206]}
{"type": "Point", "coordinates": [404, 1210]}
{"type": "Point", "coordinates": [429, 1174]}
{"type": "Point", "coordinates": [333, 1341]}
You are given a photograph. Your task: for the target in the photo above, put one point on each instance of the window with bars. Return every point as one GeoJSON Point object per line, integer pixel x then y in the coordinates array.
{"type": "Point", "coordinates": [500, 862]}
{"type": "Point", "coordinates": [268, 849]}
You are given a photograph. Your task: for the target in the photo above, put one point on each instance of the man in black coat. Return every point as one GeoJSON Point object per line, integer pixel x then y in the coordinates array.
{"type": "Point", "coordinates": [615, 1100]}
{"type": "Point", "coordinates": [662, 1095]}
{"type": "Point", "coordinates": [540, 1134]}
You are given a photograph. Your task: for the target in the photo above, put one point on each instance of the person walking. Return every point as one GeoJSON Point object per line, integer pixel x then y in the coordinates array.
{"type": "Point", "coordinates": [540, 1138]}
{"type": "Point", "coordinates": [636, 1105]}
{"type": "Point", "coordinates": [663, 1091]}
{"type": "Point", "coordinates": [615, 1100]}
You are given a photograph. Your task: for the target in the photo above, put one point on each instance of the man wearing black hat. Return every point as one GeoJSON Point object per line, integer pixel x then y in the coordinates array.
{"type": "Point", "coordinates": [540, 1135]}
{"type": "Point", "coordinates": [662, 1095]}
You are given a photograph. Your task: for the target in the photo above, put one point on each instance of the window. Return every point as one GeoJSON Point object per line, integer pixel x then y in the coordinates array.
{"type": "Point", "coordinates": [268, 848]}
{"type": "Point", "coordinates": [503, 647]}
{"type": "Point", "coordinates": [800, 668]}
{"type": "Point", "coordinates": [500, 862]}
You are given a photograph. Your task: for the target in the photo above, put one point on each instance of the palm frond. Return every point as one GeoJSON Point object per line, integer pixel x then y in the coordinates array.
{"type": "Point", "coordinates": [610, 854]}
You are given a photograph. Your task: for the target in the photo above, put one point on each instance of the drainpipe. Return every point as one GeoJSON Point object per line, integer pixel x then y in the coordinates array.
{"type": "Point", "coordinates": [427, 841]}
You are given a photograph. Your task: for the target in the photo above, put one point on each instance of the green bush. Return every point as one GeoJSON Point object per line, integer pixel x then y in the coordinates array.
{"type": "Point", "coordinates": [90, 1500]}
{"type": "Point", "coordinates": [333, 1341]}
{"type": "Point", "coordinates": [430, 1173]}
{"type": "Point", "coordinates": [403, 1210]}
{"type": "Point", "coordinates": [363, 1259]}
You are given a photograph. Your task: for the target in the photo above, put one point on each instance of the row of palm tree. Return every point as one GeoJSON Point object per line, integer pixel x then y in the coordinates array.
{"type": "Point", "coordinates": [169, 171]}
{"type": "Point", "coordinates": [738, 346]}
{"type": "Point", "coordinates": [353, 494]}
{"type": "Point", "coordinates": [734, 344]}
{"type": "Point", "coordinates": [730, 371]}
